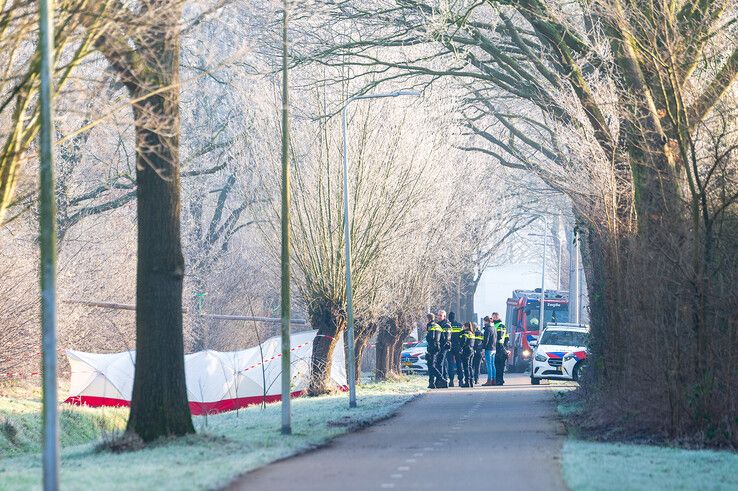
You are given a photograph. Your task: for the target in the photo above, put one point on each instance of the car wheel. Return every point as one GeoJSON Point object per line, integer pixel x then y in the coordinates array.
{"type": "Point", "coordinates": [535, 381]}
{"type": "Point", "coordinates": [576, 373]}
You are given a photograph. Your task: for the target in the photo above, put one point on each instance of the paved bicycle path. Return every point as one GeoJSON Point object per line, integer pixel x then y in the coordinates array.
{"type": "Point", "coordinates": [482, 438]}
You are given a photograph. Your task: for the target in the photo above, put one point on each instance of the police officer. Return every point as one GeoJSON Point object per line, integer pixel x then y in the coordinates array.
{"type": "Point", "coordinates": [501, 348]}
{"type": "Point", "coordinates": [490, 339]}
{"type": "Point", "coordinates": [467, 353]}
{"type": "Point", "coordinates": [445, 345]}
{"type": "Point", "coordinates": [433, 338]}
{"type": "Point", "coordinates": [454, 356]}
{"type": "Point", "coordinates": [478, 349]}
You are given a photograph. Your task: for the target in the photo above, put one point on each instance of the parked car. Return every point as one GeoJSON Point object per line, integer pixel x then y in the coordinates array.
{"type": "Point", "coordinates": [560, 353]}
{"type": "Point", "coordinates": [412, 360]}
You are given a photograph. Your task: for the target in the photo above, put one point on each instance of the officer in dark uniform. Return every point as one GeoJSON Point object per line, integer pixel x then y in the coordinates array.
{"type": "Point", "coordinates": [501, 349]}
{"type": "Point", "coordinates": [454, 356]}
{"type": "Point", "coordinates": [467, 353]}
{"type": "Point", "coordinates": [478, 352]}
{"type": "Point", "coordinates": [433, 338]}
{"type": "Point", "coordinates": [445, 345]}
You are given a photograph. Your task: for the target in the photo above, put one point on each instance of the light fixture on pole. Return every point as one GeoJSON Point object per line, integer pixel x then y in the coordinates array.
{"type": "Point", "coordinates": [47, 244]}
{"type": "Point", "coordinates": [347, 237]}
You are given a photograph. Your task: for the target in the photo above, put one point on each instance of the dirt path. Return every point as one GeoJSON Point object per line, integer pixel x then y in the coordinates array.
{"type": "Point", "coordinates": [481, 438]}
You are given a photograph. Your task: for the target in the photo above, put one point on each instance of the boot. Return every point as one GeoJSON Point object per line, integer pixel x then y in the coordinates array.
{"type": "Point", "coordinates": [451, 383]}
{"type": "Point", "coordinates": [488, 383]}
{"type": "Point", "coordinates": [442, 384]}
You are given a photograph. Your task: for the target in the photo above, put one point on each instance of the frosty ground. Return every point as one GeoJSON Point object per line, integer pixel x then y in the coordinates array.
{"type": "Point", "coordinates": [226, 445]}
{"type": "Point", "coordinates": [618, 466]}
{"type": "Point", "coordinates": [231, 444]}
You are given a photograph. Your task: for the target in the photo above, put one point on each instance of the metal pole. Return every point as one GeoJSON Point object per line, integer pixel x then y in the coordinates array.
{"type": "Point", "coordinates": [543, 274]}
{"type": "Point", "coordinates": [347, 242]}
{"type": "Point", "coordinates": [47, 243]}
{"type": "Point", "coordinates": [561, 253]}
{"type": "Point", "coordinates": [576, 276]}
{"type": "Point", "coordinates": [347, 238]}
{"type": "Point", "coordinates": [285, 256]}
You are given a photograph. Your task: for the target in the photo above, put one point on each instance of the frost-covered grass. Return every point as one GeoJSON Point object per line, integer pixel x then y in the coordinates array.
{"type": "Point", "coordinates": [226, 445]}
{"type": "Point", "coordinates": [601, 466]}
{"type": "Point", "coordinates": [20, 421]}
{"type": "Point", "coordinates": [607, 466]}
{"type": "Point", "coordinates": [20, 425]}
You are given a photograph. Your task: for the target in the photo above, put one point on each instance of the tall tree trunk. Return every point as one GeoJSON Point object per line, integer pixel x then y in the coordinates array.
{"type": "Point", "coordinates": [593, 263]}
{"type": "Point", "coordinates": [365, 330]}
{"type": "Point", "coordinates": [159, 404]}
{"type": "Point", "coordinates": [384, 348]}
{"type": "Point", "coordinates": [328, 318]}
{"type": "Point", "coordinates": [468, 289]}
{"type": "Point", "coordinates": [396, 350]}
{"type": "Point", "coordinates": [199, 328]}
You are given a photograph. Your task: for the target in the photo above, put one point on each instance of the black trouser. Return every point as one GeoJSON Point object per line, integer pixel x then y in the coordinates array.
{"type": "Point", "coordinates": [433, 374]}
{"type": "Point", "coordinates": [467, 371]}
{"type": "Point", "coordinates": [500, 358]}
{"type": "Point", "coordinates": [454, 366]}
{"type": "Point", "coordinates": [476, 363]}
{"type": "Point", "coordinates": [442, 367]}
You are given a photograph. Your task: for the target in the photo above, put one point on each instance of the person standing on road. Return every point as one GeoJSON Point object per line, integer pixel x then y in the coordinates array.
{"type": "Point", "coordinates": [454, 356]}
{"type": "Point", "coordinates": [501, 349]}
{"type": "Point", "coordinates": [467, 353]}
{"type": "Point", "coordinates": [433, 338]}
{"type": "Point", "coordinates": [445, 345]}
{"type": "Point", "coordinates": [478, 349]}
{"type": "Point", "coordinates": [490, 338]}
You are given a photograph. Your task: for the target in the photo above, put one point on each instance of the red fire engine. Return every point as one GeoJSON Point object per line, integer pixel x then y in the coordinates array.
{"type": "Point", "coordinates": [522, 321]}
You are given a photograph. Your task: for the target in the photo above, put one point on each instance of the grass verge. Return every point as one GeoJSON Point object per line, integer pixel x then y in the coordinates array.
{"type": "Point", "coordinates": [610, 466]}
{"type": "Point", "coordinates": [226, 445]}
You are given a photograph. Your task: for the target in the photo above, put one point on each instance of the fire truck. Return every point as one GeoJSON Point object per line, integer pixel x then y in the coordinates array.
{"type": "Point", "coordinates": [523, 323]}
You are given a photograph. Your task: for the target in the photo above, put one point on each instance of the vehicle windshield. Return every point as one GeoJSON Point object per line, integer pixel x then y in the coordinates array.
{"type": "Point", "coordinates": [564, 338]}
{"type": "Point", "coordinates": [555, 313]}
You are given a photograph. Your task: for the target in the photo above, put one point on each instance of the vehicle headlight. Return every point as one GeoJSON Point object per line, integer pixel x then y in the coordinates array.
{"type": "Point", "coordinates": [541, 358]}
{"type": "Point", "coordinates": [568, 357]}
{"type": "Point", "coordinates": [526, 353]}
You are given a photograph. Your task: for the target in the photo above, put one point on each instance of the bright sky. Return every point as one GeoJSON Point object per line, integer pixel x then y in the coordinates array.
{"type": "Point", "coordinates": [498, 283]}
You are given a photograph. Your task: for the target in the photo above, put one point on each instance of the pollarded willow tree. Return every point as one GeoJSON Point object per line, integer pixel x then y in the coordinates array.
{"type": "Point", "coordinates": [629, 109]}
{"type": "Point", "coordinates": [392, 167]}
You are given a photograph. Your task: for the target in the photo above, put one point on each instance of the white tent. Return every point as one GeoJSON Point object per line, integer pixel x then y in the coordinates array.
{"type": "Point", "coordinates": [216, 381]}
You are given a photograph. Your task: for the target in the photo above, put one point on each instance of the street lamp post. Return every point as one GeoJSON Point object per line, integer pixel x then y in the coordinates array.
{"type": "Point", "coordinates": [47, 243]}
{"type": "Point", "coordinates": [543, 274]}
{"type": "Point", "coordinates": [577, 282]}
{"type": "Point", "coordinates": [347, 237]}
{"type": "Point", "coordinates": [285, 252]}
{"type": "Point", "coordinates": [543, 268]}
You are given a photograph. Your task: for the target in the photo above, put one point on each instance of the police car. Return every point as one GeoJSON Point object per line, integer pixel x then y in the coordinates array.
{"type": "Point", "coordinates": [412, 360]}
{"type": "Point", "coordinates": [560, 353]}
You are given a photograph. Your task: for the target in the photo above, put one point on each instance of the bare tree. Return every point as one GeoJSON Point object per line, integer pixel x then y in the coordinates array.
{"type": "Point", "coordinates": [612, 104]}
